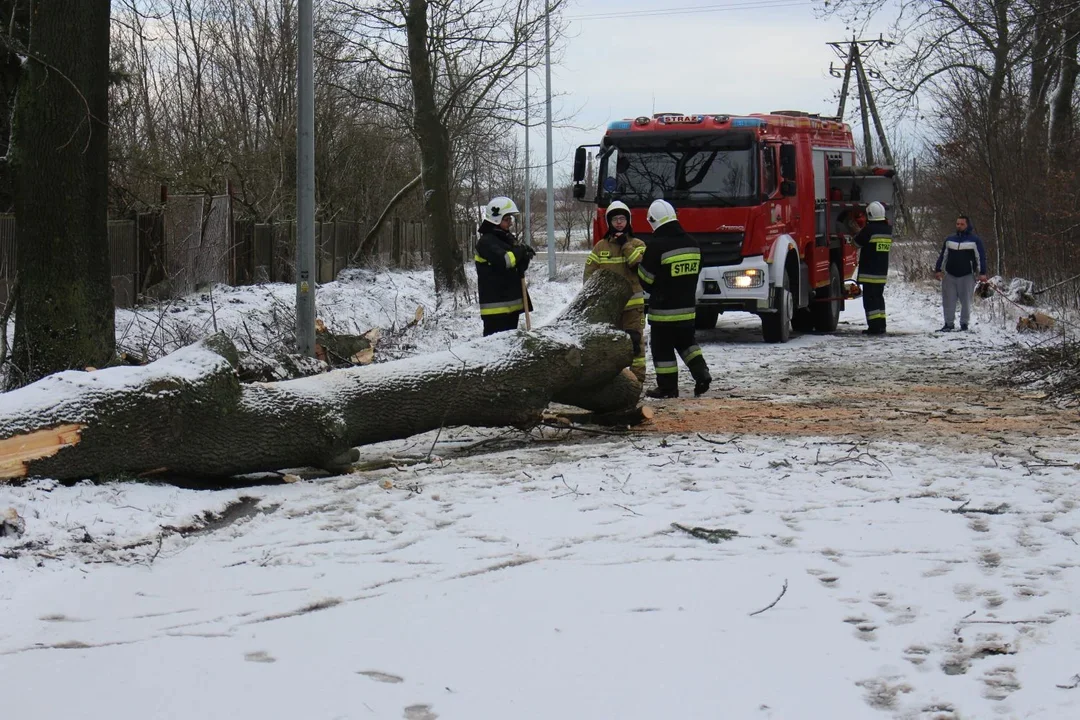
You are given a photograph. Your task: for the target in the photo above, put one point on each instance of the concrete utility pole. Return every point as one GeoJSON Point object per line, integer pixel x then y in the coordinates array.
{"type": "Point", "coordinates": [528, 167]}
{"type": "Point", "coordinates": [550, 159]}
{"type": "Point", "coordinates": [305, 183]}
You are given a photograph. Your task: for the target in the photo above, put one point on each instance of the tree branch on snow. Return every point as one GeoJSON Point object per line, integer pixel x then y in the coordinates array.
{"type": "Point", "coordinates": [783, 590]}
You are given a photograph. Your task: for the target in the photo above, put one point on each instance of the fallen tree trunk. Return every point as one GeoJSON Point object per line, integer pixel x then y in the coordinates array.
{"type": "Point", "coordinates": [187, 414]}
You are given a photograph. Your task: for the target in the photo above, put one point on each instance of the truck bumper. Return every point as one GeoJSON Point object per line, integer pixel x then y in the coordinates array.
{"type": "Point", "coordinates": [715, 290]}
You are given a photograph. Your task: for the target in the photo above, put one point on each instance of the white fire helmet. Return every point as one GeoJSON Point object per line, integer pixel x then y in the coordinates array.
{"type": "Point", "coordinates": [875, 211]}
{"type": "Point", "coordinates": [660, 212]}
{"type": "Point", "coordinates": [497, 208]}
{"type": "Point", "coordinates": [616, 206]}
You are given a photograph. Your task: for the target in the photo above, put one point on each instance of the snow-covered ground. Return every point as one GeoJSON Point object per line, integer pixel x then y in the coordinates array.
{"type": "Point", "coordinates": [919, 519]}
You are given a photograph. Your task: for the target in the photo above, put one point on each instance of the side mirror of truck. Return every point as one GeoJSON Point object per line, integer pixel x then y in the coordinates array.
{"type": "Point", "coordinates": [787, 163]}
{"type": "Point", "coordinates": [579, 191]}
{"type": "Point", "coordinates": [579, 167]}
{"type": "Point", "coordinates": [787, 188]}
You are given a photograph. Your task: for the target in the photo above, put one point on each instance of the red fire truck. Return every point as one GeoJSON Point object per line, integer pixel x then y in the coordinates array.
{"type": "Point", "coordinates": [767, 196]}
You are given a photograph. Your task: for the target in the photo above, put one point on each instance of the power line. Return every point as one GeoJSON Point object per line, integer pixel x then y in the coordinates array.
{"type": "Point", "coordinates": [693, 10]}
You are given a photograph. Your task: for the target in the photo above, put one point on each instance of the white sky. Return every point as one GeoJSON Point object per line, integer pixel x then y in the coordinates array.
{"type": "Point", "coordinates": [753, 56]}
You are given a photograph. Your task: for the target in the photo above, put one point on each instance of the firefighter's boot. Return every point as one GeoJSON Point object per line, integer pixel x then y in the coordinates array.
{"type": "Point", "coordinates": [702, 380]}
{"type": "Point", "coordinates": [695, 362]}
{"type": "Point", "coordinates": [667, 378]}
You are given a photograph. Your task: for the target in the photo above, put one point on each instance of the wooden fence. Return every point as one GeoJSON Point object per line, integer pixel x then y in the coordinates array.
{"type": "Point", "coordinates": [150, 256]}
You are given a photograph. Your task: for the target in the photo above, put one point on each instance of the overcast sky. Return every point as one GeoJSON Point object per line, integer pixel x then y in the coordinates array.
{"type": "Point", "coordinates": [750, 56]}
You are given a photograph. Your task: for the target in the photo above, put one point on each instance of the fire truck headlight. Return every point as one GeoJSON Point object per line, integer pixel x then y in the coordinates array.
{"type": "Point", "coordinates": [744, 279]}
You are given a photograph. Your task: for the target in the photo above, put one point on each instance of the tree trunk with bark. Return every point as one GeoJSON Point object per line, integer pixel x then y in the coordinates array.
{"type": "Point", "coordinates": [188, 415]}
{"type": "Point", "coordinates": [1061, 105]}
{"type": "Point", "coordinates": [64, 314]}
{"type": "Point", "coordinates": [435, 156]}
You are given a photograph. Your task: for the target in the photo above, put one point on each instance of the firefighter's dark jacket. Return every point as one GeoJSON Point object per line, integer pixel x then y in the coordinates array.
{"type": "Point", "coordinates": [669, 272]}
{"type": "Point", "coordinates": [874, 242]}
{"type": "Point", "coordinates": [498, 279]}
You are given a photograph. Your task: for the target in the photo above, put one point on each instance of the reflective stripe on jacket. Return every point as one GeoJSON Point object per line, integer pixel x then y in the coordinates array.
{"type": "Point", "coordinates": [669, 272]}
{"type": "Point", "coordinates": [875, 244]}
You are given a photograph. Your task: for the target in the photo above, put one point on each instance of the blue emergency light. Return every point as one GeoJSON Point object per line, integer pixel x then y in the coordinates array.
{"type": "Point", "coordinates": [746, 122]}
{"type": "Point", "coordinates": [619, 125]}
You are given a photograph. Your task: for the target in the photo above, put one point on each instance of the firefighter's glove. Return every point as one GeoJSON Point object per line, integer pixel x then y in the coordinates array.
{"type": "Point", "coordinates": [524, 254]}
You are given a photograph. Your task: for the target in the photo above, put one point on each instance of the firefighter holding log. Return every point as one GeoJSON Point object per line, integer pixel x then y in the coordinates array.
{"type": "Point", "coordinates": [501, 262]}
{"type": "Point", "coordinates": [620, 252]}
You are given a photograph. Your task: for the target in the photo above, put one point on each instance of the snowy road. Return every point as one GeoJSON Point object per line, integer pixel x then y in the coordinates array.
{"type": "Point", "coordinates": [923, 519]}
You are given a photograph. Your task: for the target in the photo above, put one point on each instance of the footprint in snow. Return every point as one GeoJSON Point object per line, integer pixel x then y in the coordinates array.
{"type": "Point", "coordinates": [823, 577]}
{"type": "Point", "coordinates": [916, 654]}
{"type": "Point", "coordinates": [881, 599]}
{"type": "Point", "coordinates": [864, 627]}
{"type": "Point", "coordinates": [940, 711]}
{"type": "Point", "coordinates": [938, 571]}
{"type": "Point", "coordinates": [1000, 682]}
{"type": "Point", "coordinates": [381, 676]}
{"type": "Point", "coordinates": [259, 656]}
{"type": "Point", "coordinates": [1026, 592]}
{"type": "Point", "coordinates": [881, 693]}
{"type": "Point", "coordinates": [419, 712]}
{"type": "Point", "coordinates": [989, 560]}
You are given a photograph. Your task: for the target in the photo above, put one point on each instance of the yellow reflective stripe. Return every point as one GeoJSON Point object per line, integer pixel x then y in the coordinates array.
{"type": "Point", "coordinates": [612, 261]}
{"type": "Point", "coordinates": [875, 315]}
{"type": "Point", "coordinates": [667, 370]}
{"type": "Point", "coordinates": [691, 352]}
{"type": "Point", "coordinates": [591, 259]}
{"type": "Point", "coordinates": [639, 361]}
{"type": "Point", "coordinates": [645, 275]}
{"type": "Point", "coordinates": [503, 308]}
{"type": "Point", "coordinates": [638, 252]}
{"type": "Point", "coordinates": [511, 259]}
{"type": "Point", "coordinates": [681, 258]}
{"type": "Point", "coordinates": [671, 318]}
{"type": "Point", "coordinates": [479, 259]}
{"type": "Point", "coordinates": [873, 279]}
{"type": "Point", "coordinates": [635, 302]}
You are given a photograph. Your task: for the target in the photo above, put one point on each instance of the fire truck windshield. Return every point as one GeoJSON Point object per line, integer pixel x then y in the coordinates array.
{"type": "Point", "coordinates": [715, 169]}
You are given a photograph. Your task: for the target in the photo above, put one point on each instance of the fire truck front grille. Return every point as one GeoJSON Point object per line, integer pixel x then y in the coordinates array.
{"type": "Point", "coordinates": [720, 248]}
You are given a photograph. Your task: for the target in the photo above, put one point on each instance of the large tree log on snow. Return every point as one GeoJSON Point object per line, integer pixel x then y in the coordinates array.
{"type": "Point", "coordinates": [188, 414]}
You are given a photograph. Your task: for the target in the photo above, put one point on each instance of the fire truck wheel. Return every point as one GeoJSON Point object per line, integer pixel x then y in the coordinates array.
{"type": "Point", "coordinates": [776, 326]}
{"type": "Point", "coordinates": [827, 314]}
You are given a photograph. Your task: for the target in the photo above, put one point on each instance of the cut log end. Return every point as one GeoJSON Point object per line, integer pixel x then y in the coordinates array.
{"type": "Point", "coordinates": [17, 452]}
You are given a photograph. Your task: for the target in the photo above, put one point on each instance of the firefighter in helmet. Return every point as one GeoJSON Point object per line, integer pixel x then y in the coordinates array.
{"type": "Point", "coordinates": [669, 271]}
{"type": "Point", "coordinates": [874, 241]}
{"type": "Point", "coordinates": [620, 252]}
{"type": "Point", "coordinates": [501, 262]}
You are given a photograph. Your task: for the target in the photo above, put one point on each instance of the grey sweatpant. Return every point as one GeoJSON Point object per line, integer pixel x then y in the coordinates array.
{"type": "Point", "coordinates": [953, 288]}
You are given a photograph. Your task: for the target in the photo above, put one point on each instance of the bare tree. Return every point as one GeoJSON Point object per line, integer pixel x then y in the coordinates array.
{"type": "Point", "coordinates": [446, 66]}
